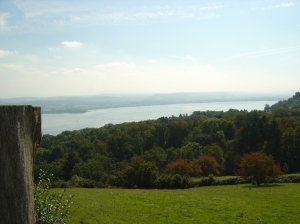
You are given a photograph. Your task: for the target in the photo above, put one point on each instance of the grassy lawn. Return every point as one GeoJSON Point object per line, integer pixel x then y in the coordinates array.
{"type": "Point", "coordinates": [274, 203]}
{"type": "Point", "coordinates": [227, 177]}
{"type": "Point", "coordinates": [216, 177]}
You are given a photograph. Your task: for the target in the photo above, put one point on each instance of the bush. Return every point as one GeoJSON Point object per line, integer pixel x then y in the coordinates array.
{"type": "Point", "coordinates": [186, 182]}
{"type": "Point", "coordinates": [163, 181]}
{"type": "Point", "coordinates": [60, 184]}
{"type": "Point", "coordinates": [88, 183]}
{"type": "Point", "coordinates": [75, 181]}
{"type": "Point", "coordinates": [207, 181]}
{"type": "Point", "coordinates": [176, 181]}
{"type": "Point", "coordinates": [49, 207]}
{"type": "Point", "coordinates": [284, 179]}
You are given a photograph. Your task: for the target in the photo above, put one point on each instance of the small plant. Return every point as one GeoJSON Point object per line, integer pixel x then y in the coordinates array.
{"type": "Point", "coordinates": [50, 208]}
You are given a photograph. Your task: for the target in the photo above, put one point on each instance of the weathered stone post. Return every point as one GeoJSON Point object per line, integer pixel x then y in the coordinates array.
{"type": "Point", "coordinates": [20, 133]}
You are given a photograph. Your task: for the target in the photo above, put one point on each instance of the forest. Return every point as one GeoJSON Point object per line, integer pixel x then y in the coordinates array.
{"type": "Point", "coordinates": [168, 151]}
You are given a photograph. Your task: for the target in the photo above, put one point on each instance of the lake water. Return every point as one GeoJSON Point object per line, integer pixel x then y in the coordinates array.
{"type": "Point", "coordinates": [56, 123]}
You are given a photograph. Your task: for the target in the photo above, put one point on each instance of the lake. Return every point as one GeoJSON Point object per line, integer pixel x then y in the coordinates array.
{"type": "Point", "coordinates": [56, 123]}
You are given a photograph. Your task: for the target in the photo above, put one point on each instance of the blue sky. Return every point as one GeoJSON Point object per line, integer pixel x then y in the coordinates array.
{"type": "Point", "coordinates": [58, 47]}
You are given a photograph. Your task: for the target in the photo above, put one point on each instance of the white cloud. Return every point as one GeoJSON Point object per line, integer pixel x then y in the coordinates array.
{"type": "Point", "coordinates": [32, 58]}
{"type": "Point", "coordinates": [148, 14]}
{"type": "Point", "coordinates": [10, 71]}
{"type": "Point", "coordinates": [71, 44]}
{"type": "Point", "coordinates": [33, 8]}
{"type": "Point", "coordinates": [265, 52]}
{"type": "Point", "coordinates": [186, 57]}
{"type": "Point", "coordinates": [53, 49]}
{"type": "Point", "coordinates": [69, 72]}
{"type": "Point", "coordinates": [41, 15]}
{"type": "Point", "coordinates": [123, 77]}
{"type": "Point", "coordinates": [13, 67]}
{"type": "Point", "coordinates": [116, 65]}
{"type": "Point", "coordinates": [4, 53]}
{"type": "Point", "coordinates": [273, 5]}
{"type": "Point", "coordinates": [3, 20]}
{"type": "Point", "coordinates": [110, 77]}
{"type": "Point", "coordinates": [285, 5]}
{"type": "Point", "coordinates": [199, 68]}
{"type": "Point", "coordinates": [77, 11]}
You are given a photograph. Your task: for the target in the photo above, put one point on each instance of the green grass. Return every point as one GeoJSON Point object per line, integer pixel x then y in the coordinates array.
{"type": "Point", "coordinates": [195, 179]}
{"type": "Point", "coordinates": [274, 203]}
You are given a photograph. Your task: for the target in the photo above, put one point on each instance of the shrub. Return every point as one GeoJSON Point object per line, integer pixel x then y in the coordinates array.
{"type": "Point", "coordinates": [163, 181]}
{"type": "Point", "coordinates": [186, 182]}
{"type": "Point", "coordinates": [75, 181]}
{"type": "Point", "coordinates": [50, 208]}
{"type": "Point", "coordinates": [88, 183]}
{"type": "Point", "coordinates": [176, 181]}
{"type": "Point", "coordinates": [207, 181]}
{"type": "Point", "coordinates": [60, 184]}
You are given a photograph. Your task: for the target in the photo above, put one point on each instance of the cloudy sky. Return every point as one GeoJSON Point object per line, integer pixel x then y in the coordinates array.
{"type": "Point", "coordinates": [69, 47]}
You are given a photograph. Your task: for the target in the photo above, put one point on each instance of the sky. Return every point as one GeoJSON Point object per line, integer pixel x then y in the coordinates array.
{"type": "Point", "coordinates": [70, 47]}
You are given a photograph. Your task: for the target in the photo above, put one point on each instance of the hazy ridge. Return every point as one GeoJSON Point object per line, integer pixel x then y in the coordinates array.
{"type": "Point", "coordinates": [81, 104]}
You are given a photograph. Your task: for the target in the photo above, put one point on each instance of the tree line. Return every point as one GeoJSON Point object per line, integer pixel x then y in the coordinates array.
{"type": "Point", "coordinates": [165, 152]}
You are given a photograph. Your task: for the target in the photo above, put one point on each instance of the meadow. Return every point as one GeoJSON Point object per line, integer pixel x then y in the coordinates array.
{"type": "Point", "coordinates": [271, 203]}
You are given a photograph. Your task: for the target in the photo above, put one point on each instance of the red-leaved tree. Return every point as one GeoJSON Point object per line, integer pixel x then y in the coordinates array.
{"type": "Point", "coordinates": [258, 166]}
{"type": "Point", "coordinates": [208, 164]}
{"type": "Point", "coordinates": [180, 166]}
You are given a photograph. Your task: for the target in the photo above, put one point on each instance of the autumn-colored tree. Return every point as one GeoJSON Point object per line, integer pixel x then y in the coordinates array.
{"type": "Point", "coordinates": [208, 164]}
{"type": "Point", "coordinates": [180, 166]}
{"type": "Point", "coordinates": [214, 150]}
{"type": "Point", "coordinates": [258, 166]}
{"type": "Point", "coordinates": [140, 173]}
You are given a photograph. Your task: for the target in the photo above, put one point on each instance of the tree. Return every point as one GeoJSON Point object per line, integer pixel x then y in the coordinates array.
{"type": "Point", "coordinates": [258, 166]}
{"type": "Point", "coordinates": [215, 151]}
{"type": "Point", "coordinates": [215, 126]}
{"type": "Point", "coordinates": [178, 130]}
{"type": "Point", "coordinates": [272, 145]}
{"type": "Point", "coordinates": [69, 160]}
{"type": "Point", "coordinates": [208, 164]}
{"type": "Point", "coordinates": [291, 148]}
{"type": "Point", "coordinates": [93, 169]}
{"type": "Point", "coordinates": [180, 166]}
{"type": "Point", "coordinates": [189, 151]}
{"type": "Point", "coordinates": [140, 173]}
{"type": "Point", "coordinates": [156, 155]}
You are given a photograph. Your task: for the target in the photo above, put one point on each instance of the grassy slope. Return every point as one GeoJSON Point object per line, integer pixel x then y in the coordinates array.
{"type": "Point", "coordinates": [214, 204]}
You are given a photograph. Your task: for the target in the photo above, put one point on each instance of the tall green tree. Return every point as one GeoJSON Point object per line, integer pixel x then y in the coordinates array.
{"type": "Point", "coordinates": [69, 160]}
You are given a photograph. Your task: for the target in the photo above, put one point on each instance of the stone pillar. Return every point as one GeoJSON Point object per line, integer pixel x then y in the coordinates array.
{"type": "Point", "coordinates": [20, 133]}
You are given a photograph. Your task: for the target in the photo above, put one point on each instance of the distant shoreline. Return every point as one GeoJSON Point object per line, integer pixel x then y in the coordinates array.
{"type": "Point", "coordinates": [56, 123]}
{"type": "Point", "coordinates": [84, 104]}
{"type": "Point", "coordinates": [82, 111]}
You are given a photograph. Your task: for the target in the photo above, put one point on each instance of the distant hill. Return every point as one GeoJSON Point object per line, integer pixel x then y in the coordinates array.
{"type": "Point", "coordinates": [291, 103]}
{"type": "Point", "coordinates": [81, 104]}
